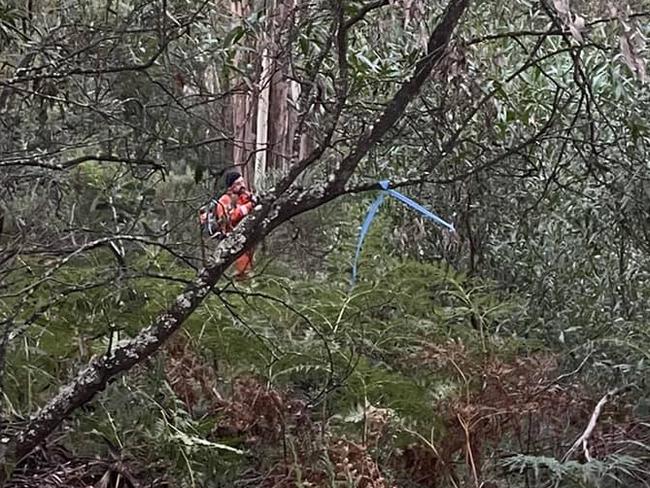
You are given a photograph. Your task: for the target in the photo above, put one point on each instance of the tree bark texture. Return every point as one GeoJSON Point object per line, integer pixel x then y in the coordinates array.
{"type": "Point", "coordinates": [243, 106]}
{"type": "Point", "coordinates": [262, 135]}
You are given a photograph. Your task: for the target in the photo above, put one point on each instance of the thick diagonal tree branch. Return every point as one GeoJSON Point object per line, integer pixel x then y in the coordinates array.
{"type": "Point", "coordinates": [438, 41]}
{"type": "Point", "coordinates": [277, 209]}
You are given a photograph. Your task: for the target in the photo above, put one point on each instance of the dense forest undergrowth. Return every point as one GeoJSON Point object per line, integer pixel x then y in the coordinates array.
{"type": "Point", "coordinates": [417, 376]}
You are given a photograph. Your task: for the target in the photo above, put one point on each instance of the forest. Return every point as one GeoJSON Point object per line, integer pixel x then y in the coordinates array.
{"type": "Point", "coordinates": [507, 349]}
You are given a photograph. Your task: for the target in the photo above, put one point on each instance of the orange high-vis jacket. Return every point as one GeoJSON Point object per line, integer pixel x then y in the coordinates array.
{"type": "Point", "coordinates": [230, 212]}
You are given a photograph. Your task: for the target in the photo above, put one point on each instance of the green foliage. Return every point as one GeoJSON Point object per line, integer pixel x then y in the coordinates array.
{"type": "Point", "coordinates": [614, 470]}
{"type": "Point", "coordinates": [532, 139]}
{"type": "Point", "coordinates": [335, 347]}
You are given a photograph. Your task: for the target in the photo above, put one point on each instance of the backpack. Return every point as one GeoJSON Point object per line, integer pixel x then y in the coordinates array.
{"type": "Point", "coordinates": [211, 227]}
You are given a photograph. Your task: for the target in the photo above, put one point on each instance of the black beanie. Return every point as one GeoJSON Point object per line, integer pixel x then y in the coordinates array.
{"type": "Point", "coordinates": [231, 177]}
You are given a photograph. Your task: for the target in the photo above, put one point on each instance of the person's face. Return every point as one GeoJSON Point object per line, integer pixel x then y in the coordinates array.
{"type": "Point", "coordinates": [239, 186]}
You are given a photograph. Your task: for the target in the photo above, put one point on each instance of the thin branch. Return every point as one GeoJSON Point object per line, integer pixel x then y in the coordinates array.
{"type": "Point", "coordinates": [110, 69]}
{"type": "Point", "coordinates": [33, 161]}
{"type": "Point", "coordinates": [552, 32]}
{"type": "Point", "coordinates": [361, 14]}
{"type": "Point", "coordinates": [28, 290]}
{"type": "Point", "coordinates": [584, 438]}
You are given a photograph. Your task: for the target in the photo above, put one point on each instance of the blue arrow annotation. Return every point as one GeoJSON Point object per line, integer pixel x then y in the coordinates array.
{"type": "Point", "coordinates": [372, 212]}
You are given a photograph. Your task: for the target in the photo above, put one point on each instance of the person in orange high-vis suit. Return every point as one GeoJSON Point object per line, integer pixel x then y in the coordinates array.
{"type": "Point", "coordinates": [230, 209]}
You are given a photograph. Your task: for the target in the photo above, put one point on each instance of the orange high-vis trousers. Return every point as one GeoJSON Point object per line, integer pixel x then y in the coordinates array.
{"type": "Point", "coordinates": [244, 264]}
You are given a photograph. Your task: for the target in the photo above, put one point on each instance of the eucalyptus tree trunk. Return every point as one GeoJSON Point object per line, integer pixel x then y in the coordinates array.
{"type": "Point", "coordinates": [277, 115]}
{"type": "Point", "coordinates": [262, 135]}
{"type": "Point", "coordinates": [280, 127]}
{"type": "Point", "coordinates": [243, 105]}
{"type": "Point", "coordinates": [264, 117]}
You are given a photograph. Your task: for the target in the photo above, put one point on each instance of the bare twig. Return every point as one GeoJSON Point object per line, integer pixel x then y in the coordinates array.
{"type": "Point", "coordinates": [584, 438]}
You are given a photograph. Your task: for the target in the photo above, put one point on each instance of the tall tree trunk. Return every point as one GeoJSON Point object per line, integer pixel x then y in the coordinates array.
{"type": "Point", "coordinates": [243, 106]}
{"type": "Point", "coordinates": [261, 146]}
{"type": "Point", "coordinates": [220, 115]}
{"type": "Point", "coordinates": [276, 113]}
{"type": "Point", "coordinates": [282, 113]}
{"type": "Point", "coordinates": [282, 121]}
{"type": "Point", "coordinates": [306, 140]}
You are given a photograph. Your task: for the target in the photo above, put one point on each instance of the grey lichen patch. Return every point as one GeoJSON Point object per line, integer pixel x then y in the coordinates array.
{"type": "Point", "coordinates": [238, 241]}
{"type": "Point", "coordinates": [203, 290]}
{"type": "Point", "coordinates": [273, 214]}
{"type": "Point", "coordinates": [148, 336]}
{"type": "Point", "coordinates": [183, 301]}
{"type": "Point", "coordinates": [201, 282]}
{"type": "Point", "coordinates": [167, 321]}
{"type": "Point", "coordinates": [145, 338]}
{"type": "Point", "coordinates": [89, 376]}
{"type": "Point", "coordinates": [130, 351]}
{"type": "Point", "coordinates": [317, 190]}
{"type": "Point", "coordinates": [232, 244]}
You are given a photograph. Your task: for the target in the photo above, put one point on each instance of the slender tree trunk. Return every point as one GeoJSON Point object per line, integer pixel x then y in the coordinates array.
{"type": "Point", "coordinates": [282, 115]}
{"type": "Point", "coordinates": [306, 145]}
{"type": "Point", "coordinates": [276, 113]}
{"type": "Point", "coordinates": [243, 106]}
{"type": "Point", "coordinates": [261, 147]}
{"type": "Point", "coordinates": [279, 123]}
